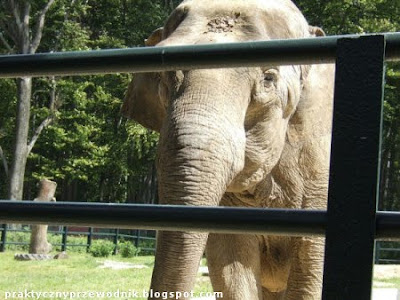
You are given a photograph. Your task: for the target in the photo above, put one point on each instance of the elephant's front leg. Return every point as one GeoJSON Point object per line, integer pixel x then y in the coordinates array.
{"type": "Point", "coordinates": [177, 262]}
{"type": "Point", "coordinates": [234, 266]}
{"type": "Point", "coordinates": [305, 279]}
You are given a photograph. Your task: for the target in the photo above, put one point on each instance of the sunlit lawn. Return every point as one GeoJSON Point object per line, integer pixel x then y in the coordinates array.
{"type": "Point", "coordinates": [388, 283]}
{"type": "Point", "coordinates": [82, 273]}
{"type": "Point", "coordinates": [79, 273]}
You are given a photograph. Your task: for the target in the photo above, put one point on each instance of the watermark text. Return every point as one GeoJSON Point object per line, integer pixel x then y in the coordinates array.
{"type": "Point", "coordinates": [129, 294]}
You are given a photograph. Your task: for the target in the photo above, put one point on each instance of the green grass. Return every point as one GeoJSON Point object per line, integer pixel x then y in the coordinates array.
{"type": "Point", "coordinates": [387, 283]}
{"type": "Point", "coordinates": [79, 273]}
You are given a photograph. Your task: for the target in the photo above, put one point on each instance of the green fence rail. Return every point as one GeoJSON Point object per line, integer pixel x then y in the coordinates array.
{"type": "Point", "coordinates": [137, 237]}
{"type": "Point", "coordinates": [152, 59]}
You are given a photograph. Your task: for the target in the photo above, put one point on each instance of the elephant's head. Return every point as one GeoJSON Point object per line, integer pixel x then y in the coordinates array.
{"type": "Point", "coordinates": [221, 130]}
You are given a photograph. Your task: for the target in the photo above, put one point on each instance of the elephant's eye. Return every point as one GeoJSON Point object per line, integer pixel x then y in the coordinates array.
{"type": "Point", "coordinates": [270, 76]}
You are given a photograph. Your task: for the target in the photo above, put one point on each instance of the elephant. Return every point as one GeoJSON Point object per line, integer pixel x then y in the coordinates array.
{"type": "Point", "coordinates": [238, 137]}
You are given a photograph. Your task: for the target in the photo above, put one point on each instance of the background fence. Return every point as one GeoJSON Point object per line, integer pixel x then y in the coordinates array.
{"type": "Point", "coordinates": [385, 252]}
{"type": "Point", "coordinates": [65, 238]}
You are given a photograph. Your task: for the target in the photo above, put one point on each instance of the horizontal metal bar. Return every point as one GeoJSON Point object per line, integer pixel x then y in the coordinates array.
{"type": "Point", "coordinates": [165, 217]}
{"type": "Point", "coordinates": [150, 59]}
{"type": "Point", "coordinates": [391, 261]}
{"type": "Point", "coordinates": [17, 243]}
{"type": "Point", "coordinates": [389, 249]}
{"type": "Point", "coordinates": [168, 217]}
{"type": "Point", "coordinates": [388, 225]}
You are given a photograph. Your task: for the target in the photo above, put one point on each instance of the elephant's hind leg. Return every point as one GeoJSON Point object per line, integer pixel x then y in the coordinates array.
{"type": "Point", "coordinates": [234, 266]}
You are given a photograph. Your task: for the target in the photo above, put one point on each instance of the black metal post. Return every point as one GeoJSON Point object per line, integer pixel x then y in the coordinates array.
{"type": "Point", "coordinates": [377, 252]}
{"type": "Point", "coordinates": [89, 239]}
{"type": "Point", "coordinates": [3, 238]}
{"type": "Point", "coordinates": [353, 185]}
{"type": "Point", "coordinates": [64, 239]}
{"type": "Point", "coordinates": [137, 239]}
{"type": "Point", "coordinates": [116, 236]}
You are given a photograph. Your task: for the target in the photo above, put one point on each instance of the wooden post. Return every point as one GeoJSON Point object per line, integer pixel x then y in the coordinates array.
{"type": "Point", "coordinates": [39, 244]}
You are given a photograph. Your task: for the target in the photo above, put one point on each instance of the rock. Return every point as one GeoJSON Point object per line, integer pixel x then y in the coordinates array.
{"type": "Point", "coordinates": [61, 255]}
{"type": "Point", "coordinates": [203, 271]}
{"type": "Point", "coordinates": [119, 265]}
{"type": "Point", "coordinates": [29, 256]}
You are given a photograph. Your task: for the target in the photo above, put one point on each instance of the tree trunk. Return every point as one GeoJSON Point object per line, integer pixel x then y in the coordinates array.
{"type": "Point", "coordinates": [18, 27]}
{"type": "Point", "coordinates": [17, 173]}
{"type": "Point", "coordinates": [39, 244]}
{"type": "Point", "coordinates": [4, 160]}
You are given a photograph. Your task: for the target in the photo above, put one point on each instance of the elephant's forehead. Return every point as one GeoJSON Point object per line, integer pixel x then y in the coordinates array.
{"type": "Point", "coordinates": [222, 24]}
{"type": "Point", "coordinates": [263, 18]}
{"type": "Point", "coordinates": [249, 3]}
{"type": "Point", "coordinates": [237, 6]}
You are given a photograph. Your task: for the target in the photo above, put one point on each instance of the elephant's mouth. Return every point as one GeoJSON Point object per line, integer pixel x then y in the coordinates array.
{"type": "Point", "coordinates": [259, 195]}
{"type": "Point", "coordinates": [250, 177]}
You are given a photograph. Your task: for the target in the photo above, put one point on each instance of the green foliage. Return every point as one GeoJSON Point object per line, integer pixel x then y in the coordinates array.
{"type": "Point", "coordinates": [390, 253]}
{"type": "Point", "coordinates": [88, 149]}
{"type": "Point", "coordinates": [147, 246]}
{"type": "Point", "coordinates": [128, 250]}
{"type": "Point", "coordinates": [8, 103]}
{"type": "Point", "coordinates": [352, 16]}
{"type": "Point", "coordinates": [366, 16]}
{"type": "Point", "coordinates": [129, 20]}
{"type": "Point", "coordinates": [101, 248]}
{"type": "Point", "coordinates": [22, 238]}
{"type": "Point", "coordinates": [125, 248]}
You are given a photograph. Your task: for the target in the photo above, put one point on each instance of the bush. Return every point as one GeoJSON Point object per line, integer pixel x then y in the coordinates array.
{"type": "Point", "coordinates": [147, 246]}
{"type": "Point", "coordinates": [390, 252]}
{"type": "Point", "coordinates": [101, 248]}
{"type": "Point", "coordinates": [128, 250]}
{"type": "Point", "coordinates": [56, 240]}
{"type": "Point", "coordinates": [18, 237]}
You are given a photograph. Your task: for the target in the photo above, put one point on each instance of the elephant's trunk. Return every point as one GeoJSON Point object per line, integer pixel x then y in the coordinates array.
{"type": "Point", "coordinates": [202, 148]}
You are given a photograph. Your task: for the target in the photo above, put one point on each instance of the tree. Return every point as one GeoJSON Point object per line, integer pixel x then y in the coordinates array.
{"type": "Point", "coordinates": [25, 35]}
{"type": "Point", "coordinates": [366, 16]}
{"type": "Point", "coordinates": [92, 152]}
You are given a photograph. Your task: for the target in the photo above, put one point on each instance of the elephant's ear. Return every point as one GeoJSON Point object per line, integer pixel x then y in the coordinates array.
{"type": "Point", "coordinates": [154, 38]}
{"type": "Point", "coordinates": [142, 102]}
{"type": "Point", "coordinates": [314, 32]}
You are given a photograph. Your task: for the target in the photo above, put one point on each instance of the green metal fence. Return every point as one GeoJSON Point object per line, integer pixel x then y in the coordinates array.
{"type": "Point", "coordinates": [387, 252]}
{"type": "Point", "coordinates": [351, 224]}
{"type": "Point", "coordinates": [139, 238]}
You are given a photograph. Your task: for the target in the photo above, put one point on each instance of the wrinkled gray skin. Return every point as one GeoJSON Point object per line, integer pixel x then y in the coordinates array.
{"type": "Point", "coordinates": [253, 137]}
